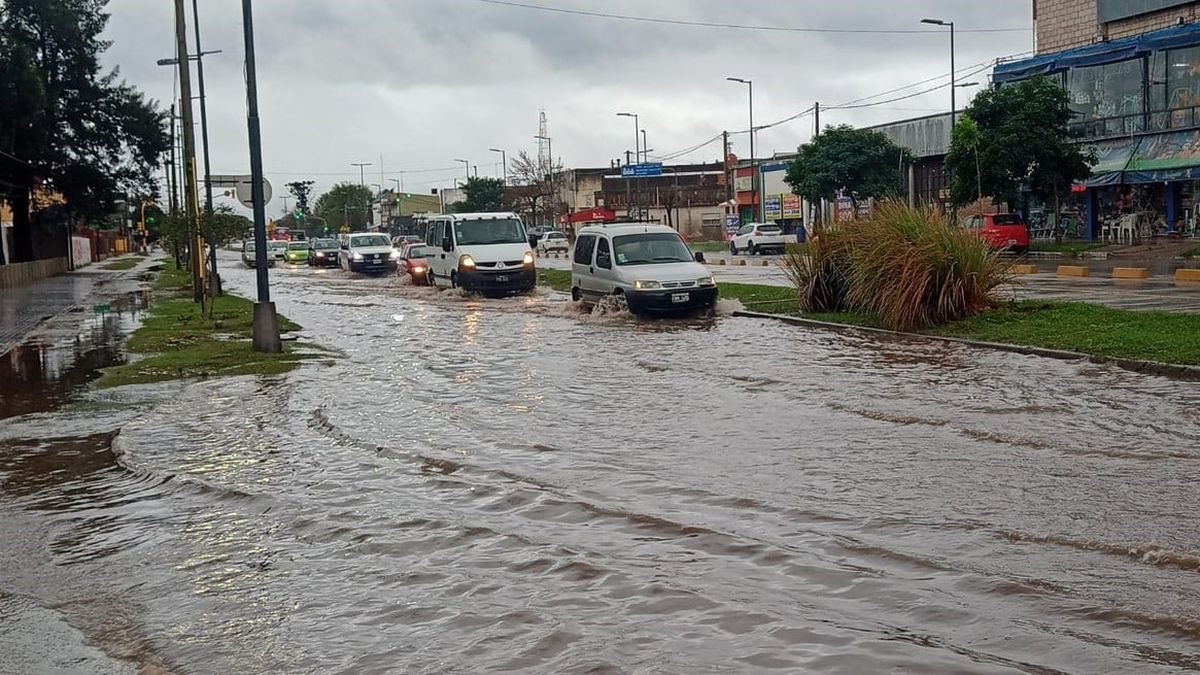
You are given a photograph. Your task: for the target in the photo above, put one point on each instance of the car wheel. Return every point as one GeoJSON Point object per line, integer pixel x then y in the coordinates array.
{"type": "Point", "coordinates": [576, 294]}
{"type": "Point", "coordinates": [732, 248]}
{"type": "Point", "coordinates": [454, 280]}
{"type": "Point", "coordinates": [750, 250]}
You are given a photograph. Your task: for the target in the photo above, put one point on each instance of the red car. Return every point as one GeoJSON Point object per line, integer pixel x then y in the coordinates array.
{"type": "Point", "coordinates": [412, 262]}
{"type": "Point", "coordinates": [1002, 231]}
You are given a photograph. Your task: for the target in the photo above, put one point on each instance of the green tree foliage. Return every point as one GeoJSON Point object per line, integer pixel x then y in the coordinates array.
{"type": "Point", "coordinates": [863, 162]}
{"type": "Point", "coordinates": [1020, 140]}
{"type": "Point", "coordinates": [228, 224]}
{"type": "Point", "coordinates": [65, 125]}
{"type": "Point", "coordinates": [345, 204]}
{"type": "Point", "coordinates": [481, 194]}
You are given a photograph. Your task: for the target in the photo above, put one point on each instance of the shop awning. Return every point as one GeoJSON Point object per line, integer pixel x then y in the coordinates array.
{"type": "Point", "coordinates": [596, 215]}
{"type": "Point", "coordinates": [1112, 156]}
{"type": "Point", "coordinates": [1111, 51]}
{"type": "Point", "coordinates": [1165, 157]}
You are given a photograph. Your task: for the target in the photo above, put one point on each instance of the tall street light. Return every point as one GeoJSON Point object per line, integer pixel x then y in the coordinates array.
{"type": "Point", "coordinates": [637, 147]}
{"type": "Point", "coordinates": [950, 25]}
{"type": "Point", "coordinates": [466, 167]}
{"type": "Point", "coordinates": [266, 324]}
{"type": "Point", "coordinates": [362, 184]}
{"type": "Point", "coordinates": [645, 147]}
{"type": "Point", "coordinates": [503, 162]}
{"type": "Point", "coordinates": [192, 192]}
{"type": "Point", "coordinates": [753, 162]}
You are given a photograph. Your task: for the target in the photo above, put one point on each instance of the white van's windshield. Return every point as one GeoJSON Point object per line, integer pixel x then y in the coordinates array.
{"type": "Point", "coordinates": [489, 231]}
{"type": "Point", "coordinates": [651, 248]}
{"type": "Point", "coordinates": [370, 240]}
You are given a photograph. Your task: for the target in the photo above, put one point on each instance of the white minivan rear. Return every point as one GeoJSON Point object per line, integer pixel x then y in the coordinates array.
{"type": "Point", "coordinates": [486, 253]}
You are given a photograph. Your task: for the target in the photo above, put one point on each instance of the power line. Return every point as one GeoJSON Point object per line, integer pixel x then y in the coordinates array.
{"type": "Point", "coordinates": [735, 26]}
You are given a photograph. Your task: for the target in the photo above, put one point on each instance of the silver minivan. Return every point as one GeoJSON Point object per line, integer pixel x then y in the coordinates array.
{"type": "Point", "coordinates": [647, 264]}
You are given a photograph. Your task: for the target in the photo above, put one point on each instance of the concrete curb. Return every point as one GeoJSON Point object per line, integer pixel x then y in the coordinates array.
{"type": "Point", "coordinates": [1173, 370]}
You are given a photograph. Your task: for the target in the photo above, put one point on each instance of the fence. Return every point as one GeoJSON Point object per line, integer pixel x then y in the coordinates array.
{"type": "Point", "coordinates": [19, 274]}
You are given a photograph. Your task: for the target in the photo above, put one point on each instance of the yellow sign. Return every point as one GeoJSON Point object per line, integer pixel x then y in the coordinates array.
{"type": "Point", "coordinates": [345, 229]}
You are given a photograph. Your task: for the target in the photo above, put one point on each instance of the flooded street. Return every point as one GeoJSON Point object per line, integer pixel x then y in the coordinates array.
{"type": "Point", "coordinates": [481, 485]}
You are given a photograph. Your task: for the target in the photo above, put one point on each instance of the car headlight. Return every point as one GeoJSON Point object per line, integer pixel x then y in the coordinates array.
{"type": "Point", "coordinates": [418, 269]}
{"type": "Point", "coordinates": [706, 281]}
{"type": "Point", "coordinates": [320, 255]}
{"type": "Point", "coordinates": [643, 285]}
{"type": "Point", "coordinates": [527, 259]}
{"type": "Point", "coordinates": [466, 262]}
{"type": "Point", "coordinates": [357, 256]}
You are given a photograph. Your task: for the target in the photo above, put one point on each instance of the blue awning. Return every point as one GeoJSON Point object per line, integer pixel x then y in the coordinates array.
{"type": "Point", "coordinates": [1187, 35]}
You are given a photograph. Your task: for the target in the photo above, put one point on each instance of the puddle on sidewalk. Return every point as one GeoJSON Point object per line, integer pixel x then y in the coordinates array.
{"type": "Point", "coordinates": [66, 353]}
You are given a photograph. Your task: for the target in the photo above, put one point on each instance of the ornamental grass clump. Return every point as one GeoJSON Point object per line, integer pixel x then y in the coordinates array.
{"type": "Point", "coordinates": [910, 268]}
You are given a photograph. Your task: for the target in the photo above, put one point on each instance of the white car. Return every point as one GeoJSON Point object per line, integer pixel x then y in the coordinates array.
{"type": "Point", "coordinates": [646, 264]}
{"type": "Point", "coordinates": [368, 252]}
{"type": "Point", "coordinates": [553, 241]}
{"type": "Point", "coordinates": [758, 238]}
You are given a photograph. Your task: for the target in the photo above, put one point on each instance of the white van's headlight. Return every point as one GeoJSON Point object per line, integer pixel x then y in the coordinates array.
{"type": "Point", "coordinates": [357, 256]}
{"type": "Point", "coordinates": [706, 281]}
{"type": "Point", "coordinates": [527, 259]}
{"type": "Point", "coordinates": [466, 262]}
{"type": "Point", "coordinates": [643, 285]}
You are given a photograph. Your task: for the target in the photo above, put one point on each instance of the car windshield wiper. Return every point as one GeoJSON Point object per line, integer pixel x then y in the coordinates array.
{"type": "Point", "coordinates": [671, 259]}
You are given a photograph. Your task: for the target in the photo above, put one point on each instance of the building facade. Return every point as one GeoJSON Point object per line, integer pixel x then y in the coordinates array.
{"type": "Point", "coordinates": [1060, 25]}
{"type": "Point", "coordinates": [1136, 99]}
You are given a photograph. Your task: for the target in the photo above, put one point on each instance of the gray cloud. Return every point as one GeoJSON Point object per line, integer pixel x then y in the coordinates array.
{"type": "Point", "coordinates": [422, 82]}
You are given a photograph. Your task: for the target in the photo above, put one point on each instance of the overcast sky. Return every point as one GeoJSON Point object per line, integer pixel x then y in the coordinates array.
{"type": "Point", "coordinates": [423, 82]}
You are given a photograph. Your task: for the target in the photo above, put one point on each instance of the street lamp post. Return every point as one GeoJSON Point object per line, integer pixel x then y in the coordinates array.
{"type": "Point", "coordinates": [762, 210]}
{"type": "Point", "coordinates": [362, 184]}
{"type": "Point", "coordinates": [266, 324]}
{"type": "Point", "coordinates": [466, 167]}
{"type": "Point", "coordinates": [645, 147]}
{"type": "Point", "coordinates": [503, 163]}
{"type": "Point", "coordinates": [950, 25]}
{"type": "Point", "coordinates": [637, 157]}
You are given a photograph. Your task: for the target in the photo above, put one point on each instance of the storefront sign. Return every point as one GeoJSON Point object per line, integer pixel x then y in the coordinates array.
{"type": "Point", "coordinates": [743, 183]}
{"type": "Point", "coordinates": [845, 208]}
{"type": "Point", "coordinates": [733, 221]}
{"type": "Point", "coordinates": [791, 206]}
{"type": "Point", "coordinates": [81, 251]}
{"type": "Point", "coordinates": [773, 207]}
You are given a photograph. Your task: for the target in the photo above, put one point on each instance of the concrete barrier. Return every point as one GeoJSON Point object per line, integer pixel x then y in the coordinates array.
{"type": "Point", "coordinates": [764, 263]}
{"type": "Point", "coordinates": [720, 261]}
{"type": "Point", "coordinates": [1073, 271]}
{"type": "Point", "coordinates": [1130, 273]}
{"type": "Point", "coordinates": [20, 274]}
{"type": "Point", "coordinates": [1023, 269]}
{"type": "Point", "coordinates": [1186, 274]}
{"type": "Point", "coordinates": [741, 263]}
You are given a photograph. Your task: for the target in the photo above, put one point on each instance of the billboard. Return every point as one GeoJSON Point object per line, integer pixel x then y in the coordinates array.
{"type": "Point", "coordinates": [773, 207]}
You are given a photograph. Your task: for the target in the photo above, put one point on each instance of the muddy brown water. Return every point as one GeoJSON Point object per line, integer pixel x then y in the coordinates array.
{"type": "Point", "coordinates": [476, 486]}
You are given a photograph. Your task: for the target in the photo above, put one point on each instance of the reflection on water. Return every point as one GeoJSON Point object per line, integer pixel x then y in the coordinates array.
{"type": "Point", "coordinates": [508, 486]}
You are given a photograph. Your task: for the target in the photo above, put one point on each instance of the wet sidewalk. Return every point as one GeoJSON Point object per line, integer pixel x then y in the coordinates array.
{"type": "Point", "coordinates": [24, 308]}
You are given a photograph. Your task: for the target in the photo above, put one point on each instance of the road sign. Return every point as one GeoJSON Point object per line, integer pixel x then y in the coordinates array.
{"type": "Point", "coordinates": [642, 170]}
{"type": "Point", "coordinates": [241, 185]}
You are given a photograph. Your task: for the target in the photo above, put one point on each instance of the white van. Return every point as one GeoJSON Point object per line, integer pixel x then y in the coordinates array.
{"type": "Point", "coordinates": [646, 263]}
{"type": "Point", "coordinates": [485, 253]}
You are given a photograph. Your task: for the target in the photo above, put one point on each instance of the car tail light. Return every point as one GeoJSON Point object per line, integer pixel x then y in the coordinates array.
{"type": "Point", "coordinates": [757, 233]}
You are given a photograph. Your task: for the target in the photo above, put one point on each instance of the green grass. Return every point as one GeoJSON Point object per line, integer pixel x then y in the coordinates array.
{"type": "Point", "coordinates": [559, 280]}
{"type": "Point", "coordinates": [1191, 253]}
{"type": "Point", "coordinates": [173, 278]}
{"type": "Point", "coordinates": [1090, 329]}
{"type": "Point", "coordinates": [126, 263]}
{"type": "Point", "coordinates": [709, 246]}
{"type": "Point", "coordinates": [758, 298]}
{"type": "Point", "coordinates": [180, 342]}
{"type": "Point", "coordinates": [1073, 248]}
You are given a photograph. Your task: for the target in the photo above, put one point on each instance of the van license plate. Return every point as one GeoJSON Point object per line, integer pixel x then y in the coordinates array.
{"type": "Point", "coordinates": [501, 278]}
{"type": "Point", "coordinates": [680, 297]}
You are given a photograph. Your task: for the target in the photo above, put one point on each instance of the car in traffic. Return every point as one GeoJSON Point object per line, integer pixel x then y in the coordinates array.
{"type": "Point", "coordinates": [647, 265]}
{"type": "Point", "coordinates": [297, 252]}
{"type": "Point", "coordinates": [413, 262]}
{"type": "Point", "coordinates": [485, 253]}
{"type": "Point", "coordinates": [1001, 231]}
{"type": "Point", "coordinates": [553, 241]}
{"type": "Point", "coordinates": [322, 253]}
{"type": "Point", "coordinates": [403, 240]}
{"type": "Point", "coordinates": [366, 252]}
{"type": "Point", "coordinates": [278, 248]}
{"type": "Point", "coordinates": [248, 255]}
{"type": "Point", "coordinates": [758, 238]}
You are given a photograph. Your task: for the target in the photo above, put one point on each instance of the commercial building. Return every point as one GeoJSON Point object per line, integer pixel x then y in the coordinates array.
{"type": "Point", "coordinates": [1132, 72]}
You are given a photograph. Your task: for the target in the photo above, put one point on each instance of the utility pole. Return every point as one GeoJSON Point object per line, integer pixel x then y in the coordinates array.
{"type": "Point", "coordinates": [362, 183]}
{"type": "Point", "coordinates": [728, 182]}
{"type": "Point", "coordinates": [266, 324]}
{"type": "Point", "coordinates": [816, 119]}
{"type": "Point", "coordinates": [173, 204]}
{"type": "Point", "coordinates": [215, 279]}
{"type": "Point", "coordinates": [628, 190]}
{"type": "Point", "coordinates": [191, 194]}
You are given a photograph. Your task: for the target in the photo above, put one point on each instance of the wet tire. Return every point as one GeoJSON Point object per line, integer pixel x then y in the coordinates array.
{"type": "Point", "coordinates": [750, 250]}
{"type": "Point", "coordinates": [576, 294]}
{"type": "Point", "coordinates": [732, 248]}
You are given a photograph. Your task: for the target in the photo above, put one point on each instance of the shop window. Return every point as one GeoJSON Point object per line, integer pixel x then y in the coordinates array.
{"type": "Point", "coordinates": [1108, 98]}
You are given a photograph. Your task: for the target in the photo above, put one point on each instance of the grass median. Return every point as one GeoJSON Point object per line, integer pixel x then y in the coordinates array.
{"type": "Point", "coordinates": [177, 341]}
{"type": "Point", "coordinates": [1096, 330]}
{"type": "Point", "coordinates": [127, 262]}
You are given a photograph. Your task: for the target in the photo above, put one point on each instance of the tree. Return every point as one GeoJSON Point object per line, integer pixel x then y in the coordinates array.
{"type": "Point", "coordinates": [862, 162]}
{"type": "Point", "coordinates": [228, 224]}
{"type": "Point", "coordinates": [534, 188]}
{"type": "Point", "coordinates": [345, 204]}
{"type": "Point", "coordinates": [302, 191]}
{"type": "Point", "coordinates": [66, 127]}
{"type": "Point", "coordinates": [481, 194]}
{"type": "Point", "coordinates": [1021, 141]}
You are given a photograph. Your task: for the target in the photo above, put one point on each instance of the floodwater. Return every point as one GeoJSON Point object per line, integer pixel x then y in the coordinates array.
{"type": "Point", "coordinates": [476, 485]}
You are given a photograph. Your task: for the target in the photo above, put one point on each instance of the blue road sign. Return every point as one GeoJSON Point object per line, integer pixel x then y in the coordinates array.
{"type": "Point", "coordinates": [642, 170]}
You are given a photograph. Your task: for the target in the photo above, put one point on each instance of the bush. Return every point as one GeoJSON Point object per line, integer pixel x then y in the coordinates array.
{"type": "Point", "coordinates": [908, 268]}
